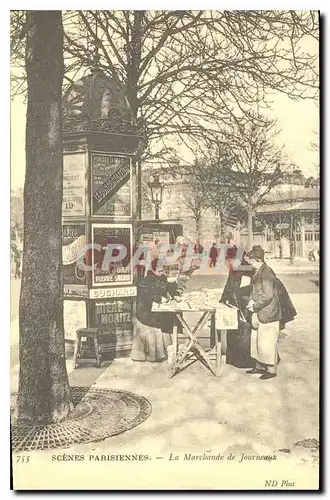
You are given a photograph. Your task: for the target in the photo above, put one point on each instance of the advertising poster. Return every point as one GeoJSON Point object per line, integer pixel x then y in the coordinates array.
{"type": "Point", "coordinates": [152, 238]}
{"type": "Point", "coordinates": [73, 241]}
{"type": "Point", "coordinates": [74, 184]}
{"type": "Point", "coordinates": [111, 185]}
{"type": "Point", "coordinates": [116, 271]}
{"type": "Point", "coordinates": [74, 314]}
{"type": "Point", "coordinates": [114, 317]}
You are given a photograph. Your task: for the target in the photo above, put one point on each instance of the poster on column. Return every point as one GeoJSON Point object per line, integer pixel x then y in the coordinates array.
{"type": "Point", "coordinates": [73, 241]}
{"type": "Point", "coordinates": [74, 315]}
{"type": "Point", "coordinates": [114, 318]}
{"type": "Point", "coordinates": [74, 184]}
{"type": "Point", "coordinates": [111, 185]}
{"type": "Point", "coordinates": [112, 263]}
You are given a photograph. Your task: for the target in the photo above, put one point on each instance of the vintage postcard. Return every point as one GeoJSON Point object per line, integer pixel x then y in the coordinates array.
{"type": "Point", "coordinates": [165, 249]}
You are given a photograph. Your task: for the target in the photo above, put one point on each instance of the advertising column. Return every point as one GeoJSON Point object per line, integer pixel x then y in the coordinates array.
{"type": "Point", "coordinates": [112, 288]}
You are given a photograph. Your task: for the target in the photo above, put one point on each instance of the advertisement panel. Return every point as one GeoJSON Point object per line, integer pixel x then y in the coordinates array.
{"type": "Point", "coordinates": [114, 317]}
{"type": "Point", "coordinates": [73, 241]}
{"type": "Point", "coordinates": [111, 185]}
{"type": "Point", "coordinates": [74, 312]}
{"type": "Point", "coordinates": [74, 184]}
{"type": "Point", "coordinates": [114, 272]}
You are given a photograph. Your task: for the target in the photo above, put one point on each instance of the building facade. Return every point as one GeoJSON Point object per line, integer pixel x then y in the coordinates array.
{"type": "Point", "coordinates": [180, 205]}
{"type": "Point", "coordinates": [288, 217]}
{"type": "Point", "coordinates": [291, 216]}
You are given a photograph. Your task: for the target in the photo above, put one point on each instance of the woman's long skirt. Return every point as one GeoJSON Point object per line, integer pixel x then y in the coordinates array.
{"type": "Point", "coordinates": [239, 346]}
{"type": "Point", "coordinates": [149, 343]}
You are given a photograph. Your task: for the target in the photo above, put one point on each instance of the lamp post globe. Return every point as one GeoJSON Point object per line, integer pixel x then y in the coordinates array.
{"type": "Point", "coordinates": [156, 187]}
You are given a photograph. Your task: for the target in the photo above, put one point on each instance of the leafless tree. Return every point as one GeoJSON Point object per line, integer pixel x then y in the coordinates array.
{"type": "Point", "coordinates": [196, 203]}
{"type": "Point", "coordinates": [44, 393]}
{"type": "Point", "coordinates": [248, 164]}
{"type": "Point", "coordinates": [212, 176]}
{"type": "Point", "coordinates": [185, 71]}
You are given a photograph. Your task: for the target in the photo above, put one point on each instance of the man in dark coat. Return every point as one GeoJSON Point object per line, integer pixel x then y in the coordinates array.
{"type": "Point", "coordinates": [271, 308]}
{"type": "Point", "coordinates": [213, 255]}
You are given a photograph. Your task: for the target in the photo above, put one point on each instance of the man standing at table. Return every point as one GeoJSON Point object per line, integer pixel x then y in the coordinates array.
{"type": "Point", "coordinates": [266, 311]}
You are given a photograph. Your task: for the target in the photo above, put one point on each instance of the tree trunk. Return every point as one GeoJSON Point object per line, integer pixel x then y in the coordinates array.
{"type": "Point", "coordinates": [134, 57]}
{"type": "Point", "coordinates": [238, 235]}
{"type": "Point", "coordinates": [44, 393]}
{"type": "Point", "coordinates": [250, 227]}
{"type": "Point", "coordinates": [221, 227]}
{"type": "Point", "coordinates": [198, 230]}
{"type": "Point", "coordinates": [139, 193]}
{"type": "Point", "coordinates": [292, 249]}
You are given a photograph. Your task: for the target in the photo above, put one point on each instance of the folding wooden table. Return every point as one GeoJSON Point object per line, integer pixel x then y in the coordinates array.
{"type": "Point", "coordinates": [191, 350]}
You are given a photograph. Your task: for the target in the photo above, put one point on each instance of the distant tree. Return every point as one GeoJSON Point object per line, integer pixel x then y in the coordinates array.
{"type": "Point", "coordinates": [248, 164]}
{"type": "Point", "coordinates": [195, 202]}
{"type": "Point", "coordinates": [315, 147]}
{"type": "Point", "coordinates": [312, 182]}
{"type": "Point", "coordinates": [146, 202]}
{"type": "Point", "coordinates": [213, 180]}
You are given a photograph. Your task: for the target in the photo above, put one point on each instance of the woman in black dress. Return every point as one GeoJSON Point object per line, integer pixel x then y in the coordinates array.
{"type": "Point", "coordinates": [154, 330]}
{"type": "Point", "coordinates": [238, 341]}
{"type": "Point", "coordinates": [151, 338]}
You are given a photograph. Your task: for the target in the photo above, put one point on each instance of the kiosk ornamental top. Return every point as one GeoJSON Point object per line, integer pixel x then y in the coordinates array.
{"type": "Point", "coordinates": [97, 103]}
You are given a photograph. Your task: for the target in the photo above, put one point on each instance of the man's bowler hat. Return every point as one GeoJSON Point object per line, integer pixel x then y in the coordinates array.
{"type": "Point", "coordinates": [256, 253]}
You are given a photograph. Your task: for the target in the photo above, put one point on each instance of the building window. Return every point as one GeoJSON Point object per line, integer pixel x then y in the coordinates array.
{"type": "Point", "coordinates": [317, 236]}
{"type": "Point", "coordinates": [269, 237]}
{"type": "Point", "coordinates": [298, 236]}
{"type": "Point", "coordinates": [308, 236]}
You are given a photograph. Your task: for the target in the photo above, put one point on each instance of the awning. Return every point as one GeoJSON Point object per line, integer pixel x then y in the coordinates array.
{"type": "Point", "coordinates": [294, 206]}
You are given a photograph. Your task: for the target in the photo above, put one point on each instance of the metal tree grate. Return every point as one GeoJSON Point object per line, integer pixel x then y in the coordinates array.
{"type": "Point", "coordinates": [98, 414]}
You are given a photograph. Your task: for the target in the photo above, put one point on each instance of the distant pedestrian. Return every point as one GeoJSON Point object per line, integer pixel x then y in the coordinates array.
{"type": "Point", "coordinates": [314, 255]}
{"type": "Point", "coordinates": [213, 255]}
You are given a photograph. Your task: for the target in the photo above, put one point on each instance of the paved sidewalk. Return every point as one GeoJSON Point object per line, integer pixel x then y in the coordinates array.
{"type": "Point", "coordinates": [234, 412]}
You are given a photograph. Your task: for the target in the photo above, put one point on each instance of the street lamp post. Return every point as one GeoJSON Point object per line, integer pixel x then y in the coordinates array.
{"type": "Point", "coordinates": [156, 188]}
